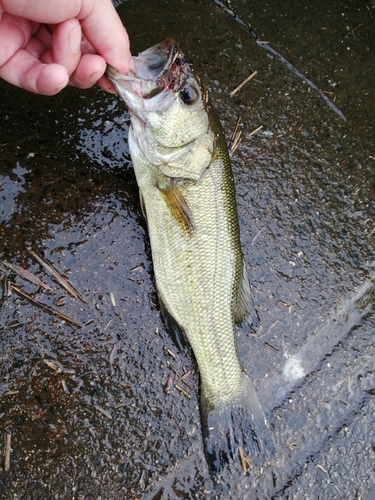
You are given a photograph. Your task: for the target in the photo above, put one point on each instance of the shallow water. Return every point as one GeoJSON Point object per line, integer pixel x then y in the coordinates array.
{"type": "Point", "coordinates": [94, 412]}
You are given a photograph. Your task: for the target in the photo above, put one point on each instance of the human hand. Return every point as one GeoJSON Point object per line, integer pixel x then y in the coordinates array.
{"type": "Point", "coordinates": [46, 44]}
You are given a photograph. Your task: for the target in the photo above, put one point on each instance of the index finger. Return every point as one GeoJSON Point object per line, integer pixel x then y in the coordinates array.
{"type": "Point", "coordinates": [103, 28]}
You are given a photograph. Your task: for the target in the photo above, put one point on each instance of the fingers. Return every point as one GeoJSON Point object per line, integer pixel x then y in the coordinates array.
{"type": "Point", "coordinates": [104, 30]}
{"type": "Point", "coordinates": [44, 44]}
{"type": "Point", "coordinates": [100, 24]}
{"type": "Point", "coordinates": [65, 43]}
{"type": "Point", "coordinates": [14, 34]}
{"type": "Point", "coordinates": [19, 58]}
{"type": "Point", "coordinates": [106, 85]}
{"type": "Point", "coordinates": [21, 52]}
{"type": "Point", "coordinates": [90, 69]}
{"type": "Point", "coordinates": [27, 72]}
{"type": "Point", "coordinates": [44, 11]}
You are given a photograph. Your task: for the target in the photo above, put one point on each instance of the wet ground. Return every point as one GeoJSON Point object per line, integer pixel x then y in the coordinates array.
{"type": "Point", "coordinates": [108, 408]}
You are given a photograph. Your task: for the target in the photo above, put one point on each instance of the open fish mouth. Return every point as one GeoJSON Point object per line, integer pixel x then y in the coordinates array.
{"type": "Point", "coordinates": [161, 67]}
{"type": "Point", "coordinates": [163, 87]}
{"type": "Point", "coordinates": [153, 62]}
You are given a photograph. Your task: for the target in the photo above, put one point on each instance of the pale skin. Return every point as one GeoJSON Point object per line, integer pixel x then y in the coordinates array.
{"type": "Point", "coordinates": [47, 44]}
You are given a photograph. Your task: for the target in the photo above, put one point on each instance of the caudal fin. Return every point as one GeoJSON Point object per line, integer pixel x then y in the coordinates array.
{"type": "Point", "coordinates": [229, 425]}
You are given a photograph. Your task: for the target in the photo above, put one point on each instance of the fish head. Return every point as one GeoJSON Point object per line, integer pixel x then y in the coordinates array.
{"type": "Point", "coordinates": [169, 111]}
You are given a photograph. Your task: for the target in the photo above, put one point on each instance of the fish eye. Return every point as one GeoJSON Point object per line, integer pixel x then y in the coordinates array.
{"type": "Point", "coordinates": [189, 94]}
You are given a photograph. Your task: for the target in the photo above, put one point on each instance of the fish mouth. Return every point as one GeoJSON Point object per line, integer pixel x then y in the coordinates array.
{"type": "Point", "coordinates": [153, 62]}
{"type": "Point", "coordinates": [161, 67]}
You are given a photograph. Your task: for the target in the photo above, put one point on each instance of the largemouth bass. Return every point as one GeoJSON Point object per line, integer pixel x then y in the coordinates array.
{"type": "Point", "coordinates": [187, 195]}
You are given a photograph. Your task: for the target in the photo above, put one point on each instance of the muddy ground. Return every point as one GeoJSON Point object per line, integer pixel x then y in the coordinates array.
{"type": "Point", "coordinates": [92, 409]}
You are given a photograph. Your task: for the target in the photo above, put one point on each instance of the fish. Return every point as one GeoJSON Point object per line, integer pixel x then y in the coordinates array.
{"type": "Point", "coordinates": [181, 163]}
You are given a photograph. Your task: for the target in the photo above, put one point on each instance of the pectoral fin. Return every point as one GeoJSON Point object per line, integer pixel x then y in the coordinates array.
{"type": "Point", "coordinates": [245, 312]}
{"type": "Point", "coordinates": [178, 207]}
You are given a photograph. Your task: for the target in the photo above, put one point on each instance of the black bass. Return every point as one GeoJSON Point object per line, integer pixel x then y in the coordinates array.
{"type": "Point", "coordinates": [187, 194]}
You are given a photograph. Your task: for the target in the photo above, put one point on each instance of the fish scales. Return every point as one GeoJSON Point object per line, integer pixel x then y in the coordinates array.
{"type": "Point", "coordinates": [198, 288]}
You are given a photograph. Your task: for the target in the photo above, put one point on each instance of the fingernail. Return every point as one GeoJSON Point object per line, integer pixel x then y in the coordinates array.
{"type": "Point", "coordinates": [74, 40]}
{"type": "Point", "coordinates": [62, 85]}
{"type": "Point", "coordinates": [95, 77]}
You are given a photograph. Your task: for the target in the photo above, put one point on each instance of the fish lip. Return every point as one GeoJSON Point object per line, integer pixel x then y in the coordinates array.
{"type": "Point", "coordinates": [161, 67]}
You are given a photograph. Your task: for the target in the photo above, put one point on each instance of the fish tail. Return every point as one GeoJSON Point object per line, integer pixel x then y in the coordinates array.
{"type": "Point", "coordinates": [236, 428]}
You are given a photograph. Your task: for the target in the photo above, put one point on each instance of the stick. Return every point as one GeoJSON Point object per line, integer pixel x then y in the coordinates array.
{"type": "Point", "coordinates": [44, 307]}
{"type": "Point", "coordinates": [256, 130]}
{"type": "Point", "coordinates": [26, 275]}
{"type": "Point", "coordinates": [242, 458]}
{"type": "Point", "coordinates": [243, 84]}
{"type": "Point", "coordinates": [8, 437]}
{"type": "Point", "coordinates": [102, 410]}
{"type": "Point", "coordinates": [236, 138]}
{"type": "Point", "coordinates": [181, 389]}
{"type": "Point", "coordinates": [49, 267]}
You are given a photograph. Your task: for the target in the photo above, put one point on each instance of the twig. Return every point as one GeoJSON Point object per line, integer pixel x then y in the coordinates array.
{"type": "Point", "coordinates": [112, 355]}
{"type": "Point", "coordinates": [269, 329]}
{"type": "Point", "coordinates": [52, 365]}
{"type": "Point", "coordinates": [170, 353]}
{"type": "Point", "coordinates": [65, 386]}
{"type": "Point", "coordinates": [234, 133]}
{"type": "Point", "coordinates": [181, 389]}
{"type": "Point", "coordinates": [258, 234]}
{"type": "Point", "coordinates": [304, 78]}
{"type": "Point", "coordinates": [236, 138]}
{"type": "Point", "coordinates": [102, 410]}
{"type": "Point", "coordinates": [245, 462]}
{"type": "Point", "coordinates": [172, 368]}
{"type": "Point", "coordinates": [44, 307]}
{"type": "Point", "coordinates": [243, 84]}
{"type": "Point", "coordinates": [121, 405]}
{"type": "Point", "coordinates": [184, 376]}
{"type": "Point", "coordinates": [59, 302]}
{"type": "Point", "coordinates": [271, 346]}
{"type": "Point", "coordinates": [8, 437]}
{"type": "Point", "coordinates": [49, 267]}
{"type": "Point", "coordinates": [168, 384]}
{"type": "Point", "coordinates": [350, 31]}
{"type": "Point", "coordinates": [27, 275]}
{"type": "Point", "coordinates": [256, 130]}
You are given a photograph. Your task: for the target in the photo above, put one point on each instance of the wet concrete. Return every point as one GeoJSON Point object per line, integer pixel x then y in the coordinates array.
{"type": "Point", "coordinates": [94, 412]}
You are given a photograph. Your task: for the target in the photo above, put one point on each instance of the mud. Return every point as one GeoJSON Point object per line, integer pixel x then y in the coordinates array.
{"type": "Point", "coordinates": [94, 412]}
